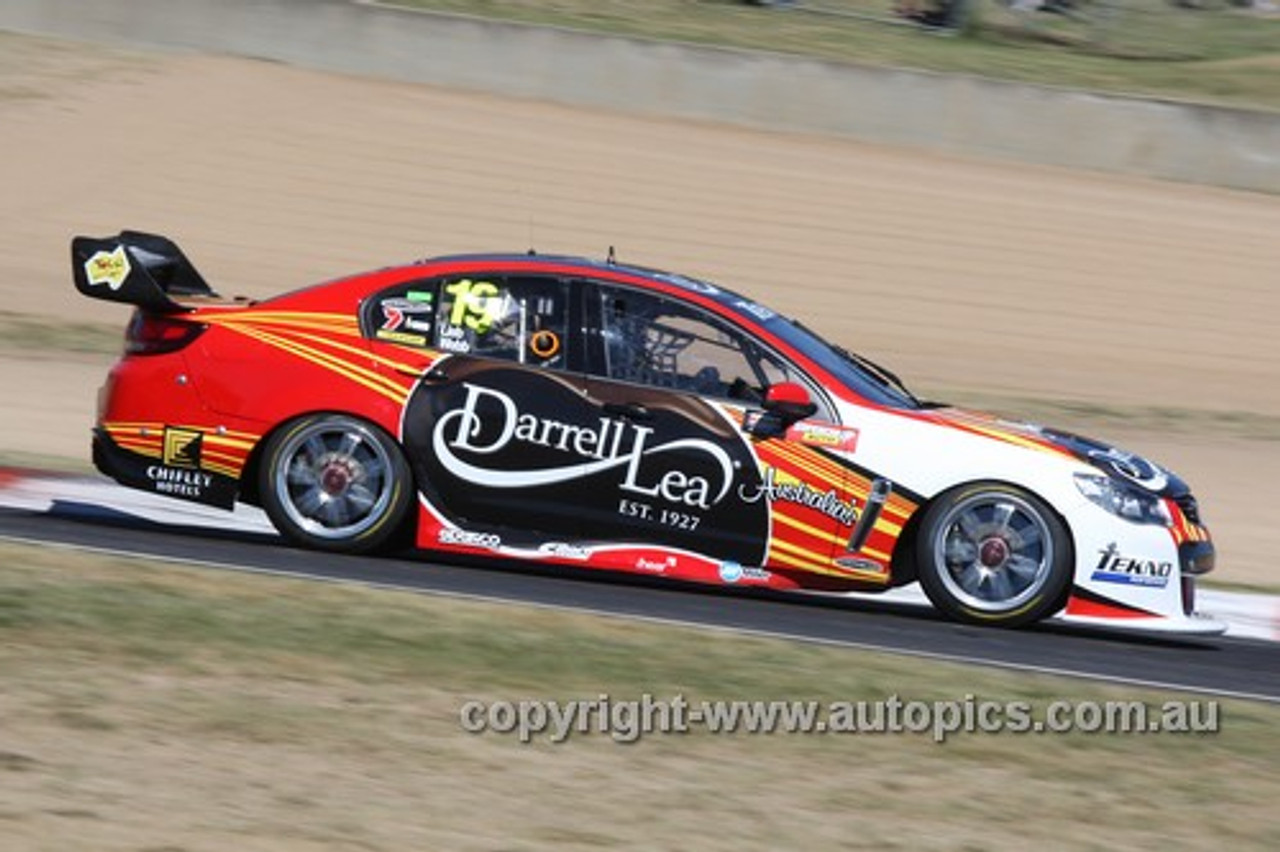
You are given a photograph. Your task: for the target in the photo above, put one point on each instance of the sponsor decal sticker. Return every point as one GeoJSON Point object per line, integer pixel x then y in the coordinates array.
{"type": "Point", "coordinates": [1116, 568]}
{"type": "Point", "coordinates": [760, 312]}
{"type": "Point", "coordinates": [859, 563]}
{"type": "Point", "coordinates": [657, 566]}
{"type": "Point", "coordinates": [180, 483]}
{"type": "Point", "coordinates": [734, 572]}
{"type": "Point", "coordinates": [690, 283]}
{"type": "Point", "coordinates": [1134, 468]}
{"type": "Point", "coordinates": [182, 447]}
{"type": "Point", "coordinates": [469, 539]}
{"type": "Point", "coordinates": [402, 337]}
{"type": "Point", "coordinates": [108, 267]}
{"type": "Point", "coordinates": [397, 311]}
{"type": "Point", "coordinates": [831, 437]}
{"type": "Point", "coordinates": [454, 339]}
{"type": "Point", "coordinates": [544, 343]}
{"type": "Point", "coordinates": [779, 486]}
{"type": "Point", "coordinates": [563, 550]}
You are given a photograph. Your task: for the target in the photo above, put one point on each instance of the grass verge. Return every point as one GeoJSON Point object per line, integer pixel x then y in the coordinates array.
{"type": "Point", "coordinates": [155, 706]}
{"type": "Point", "coordinates": [1215, 53]}
{"type": "Point", "coordinates": [38, 336]}
{"type": "Point", "coordinates": [34, 68]}
{"type": "Point", "coordinates": [45, 462]}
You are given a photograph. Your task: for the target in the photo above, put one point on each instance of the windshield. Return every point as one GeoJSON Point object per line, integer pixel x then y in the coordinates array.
{"type": "Point", "coordinates": [861, 374]}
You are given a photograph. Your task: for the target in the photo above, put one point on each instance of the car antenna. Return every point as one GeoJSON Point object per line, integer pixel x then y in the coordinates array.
{"type": "Point", "coordinates": [612, 259]}
{"type": "Point", "coordinates": [532, 252]}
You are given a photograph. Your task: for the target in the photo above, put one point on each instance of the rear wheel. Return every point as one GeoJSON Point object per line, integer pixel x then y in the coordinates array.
{"type": "Point", "coordinates": [333, 482]}
{"type": "Point", "coordinates": [994, 554]}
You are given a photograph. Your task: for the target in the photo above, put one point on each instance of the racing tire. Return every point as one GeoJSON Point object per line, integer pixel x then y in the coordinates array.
{"type": "Point", "coordinates": [336, 483]}
{"type": "Point", "coordinates": [991, 553]}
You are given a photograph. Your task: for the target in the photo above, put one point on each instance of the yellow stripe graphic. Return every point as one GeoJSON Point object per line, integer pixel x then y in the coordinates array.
{"type": "Point", "coordinates": [361, 353]}
{"type": "Point", "coordinates": [823, 535]}
{"type": "Point", "coordinates": [828, 571]}
{"type": "Point", "coordinates": [333, 322]}
{"type": "Point", "coordinates": [368, 378]}
{"type": "Point", "coordinates": [794, 562]}
{"type": "Point", "coordinates": [855, 486]}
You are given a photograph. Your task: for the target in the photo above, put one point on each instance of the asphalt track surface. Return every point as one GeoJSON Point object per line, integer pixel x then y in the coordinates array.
{"type": "Point", "coordinates": [1244, 668]}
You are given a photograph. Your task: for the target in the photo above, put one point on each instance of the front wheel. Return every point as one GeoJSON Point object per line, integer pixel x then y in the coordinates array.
{"type": "Point", "coordinates": [335, 483]}
{"type": "Point", "coordinates": [994, 554]}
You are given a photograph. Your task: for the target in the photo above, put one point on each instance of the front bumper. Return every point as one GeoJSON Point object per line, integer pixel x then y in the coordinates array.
{"type": "Point", "coordinates": [1196, 557]}
{"type": "Point", "coordinates": [1140, 576]}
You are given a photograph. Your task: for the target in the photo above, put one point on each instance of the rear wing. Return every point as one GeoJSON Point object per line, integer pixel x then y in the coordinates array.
{"type": "Point", "coordinates": [140, 269]}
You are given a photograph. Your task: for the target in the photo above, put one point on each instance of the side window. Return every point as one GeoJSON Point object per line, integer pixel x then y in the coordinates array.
{"type": "Point", "coordinates": [522, 319]}
{"type": "Point", "coordinates": [652, 340]}
{"type": "Point", "coordinates": [518, 319]}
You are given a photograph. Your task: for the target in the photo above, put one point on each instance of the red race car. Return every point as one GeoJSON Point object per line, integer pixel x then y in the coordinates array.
{"type": "Point", "coordinates": [605, 416]}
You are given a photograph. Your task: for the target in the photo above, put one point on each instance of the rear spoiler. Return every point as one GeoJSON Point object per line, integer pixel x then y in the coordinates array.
{"type": "Point", "coordinates": [140, 269]}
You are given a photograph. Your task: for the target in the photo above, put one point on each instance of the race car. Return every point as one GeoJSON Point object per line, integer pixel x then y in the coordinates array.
{"type": "Point", "coordinates": [589, 413]}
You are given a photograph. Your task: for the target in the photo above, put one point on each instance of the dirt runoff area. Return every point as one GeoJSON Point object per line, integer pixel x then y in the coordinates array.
{"type": "Point", "coordinates": [1140, 311]}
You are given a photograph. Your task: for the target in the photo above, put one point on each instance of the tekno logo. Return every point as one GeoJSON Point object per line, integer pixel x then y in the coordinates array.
{"type": "Point", "coordinates": [489, 421]}
{"type": "Point", "coordinates": [1115, 568]}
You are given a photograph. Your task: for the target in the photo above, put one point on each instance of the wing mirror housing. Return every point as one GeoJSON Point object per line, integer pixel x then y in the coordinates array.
{"type": "Point", "coordinates": [784, 404]}
{"type": "Point", "coordinates": [790, 401]}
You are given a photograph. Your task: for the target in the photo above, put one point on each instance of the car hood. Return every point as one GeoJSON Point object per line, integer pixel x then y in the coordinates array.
{"type": "Point", "coordinates": [1122, 464]}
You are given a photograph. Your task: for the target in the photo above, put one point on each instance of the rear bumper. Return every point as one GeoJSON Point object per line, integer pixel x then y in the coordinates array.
{"type": "Point", "coordinates": [135, 470]}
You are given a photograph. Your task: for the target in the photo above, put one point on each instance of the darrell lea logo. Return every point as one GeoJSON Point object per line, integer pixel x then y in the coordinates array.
{"type": "Point", "coordinates": [602, 446]}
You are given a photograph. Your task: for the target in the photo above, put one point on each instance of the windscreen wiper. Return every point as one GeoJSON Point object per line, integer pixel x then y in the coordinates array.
{"type": "Point", "coordinates": [884, 375]}
{"type": "Point", "coordinates": [879, 374]}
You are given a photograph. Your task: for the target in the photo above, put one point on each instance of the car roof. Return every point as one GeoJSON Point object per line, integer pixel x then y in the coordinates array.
{"type": "Point", "coordinates": [609, 266]}
{"type": "Point", "coordinates": [355, 288]}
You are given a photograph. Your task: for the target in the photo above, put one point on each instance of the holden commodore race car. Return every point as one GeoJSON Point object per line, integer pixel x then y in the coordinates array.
{"type": "Point", "coordinates": [604, 416]}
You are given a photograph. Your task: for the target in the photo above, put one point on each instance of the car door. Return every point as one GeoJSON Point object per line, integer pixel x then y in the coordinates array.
{"type": "Point", "coordinates": [496, 429]}
{"type": "Point", "coordinates": [680, 384]}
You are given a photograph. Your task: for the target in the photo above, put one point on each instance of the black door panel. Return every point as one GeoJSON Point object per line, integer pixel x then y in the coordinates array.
{"type": "Point", "coordinates": [497, 444]}
{"type": "Point", "coordinates": [685, 467]}
{"type": "Point", "coordinates": [500, 445]}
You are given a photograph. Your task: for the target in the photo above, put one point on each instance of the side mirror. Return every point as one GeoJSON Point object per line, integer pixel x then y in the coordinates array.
{"type": "Point", "coordinates": [784, 404]}
{"type": "Point", "coordinates": [789, 401]}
